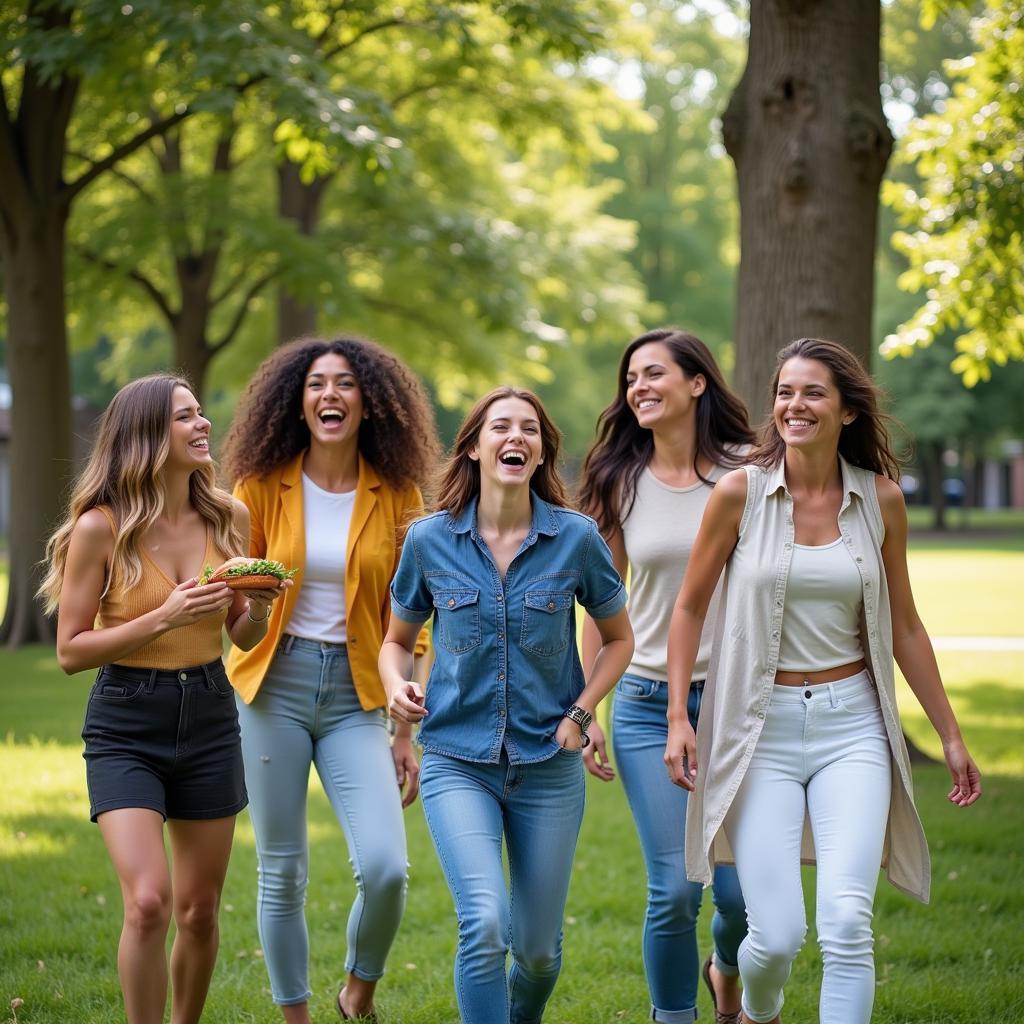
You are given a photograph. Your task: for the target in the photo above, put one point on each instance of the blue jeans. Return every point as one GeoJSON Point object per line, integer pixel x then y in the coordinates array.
{"type": "Point", "coordinates": [538, 808]}
{"type": "Point", "coordinates": [307, 711]}
{"type": "Point", "coordinates": [671, 960]}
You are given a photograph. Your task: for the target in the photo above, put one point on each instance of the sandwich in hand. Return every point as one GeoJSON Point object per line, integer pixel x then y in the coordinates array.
{"type": "Point", "coordinates": [255, 574]}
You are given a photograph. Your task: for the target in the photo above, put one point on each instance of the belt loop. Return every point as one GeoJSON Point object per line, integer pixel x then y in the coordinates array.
{"type": "Point", "coordinates": [286, 643]}
{"type": "Point", "coordinates": [209, 676]}
{"type": "Point", "coordinates": [151, 682]}
{"type": "Point", "coordinates": [833, 696]}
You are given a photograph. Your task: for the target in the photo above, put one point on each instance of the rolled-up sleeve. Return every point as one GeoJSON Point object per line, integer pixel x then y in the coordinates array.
{"type": "Point", "coordinates": [601, 591]}
{"type": "Point", "coordinates": [411, 600]}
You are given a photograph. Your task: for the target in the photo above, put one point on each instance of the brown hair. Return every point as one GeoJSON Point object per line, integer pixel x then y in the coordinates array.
{"type": "Point", "coordinates": [399, 437]}
{"type": "Point", "coordinates": [865, 442]}
{"type": "Point", "coordinates": [459, 480]}
{"type": "Point", "coordinates": [623, 448]}
{"type": "Point", "coordinates": [122, 473]}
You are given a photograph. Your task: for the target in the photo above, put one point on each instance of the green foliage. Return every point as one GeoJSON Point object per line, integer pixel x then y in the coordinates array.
{"type": "Point", "coordinates": [964, 226]}
{"type": "Point", "coordinates": [677, 182]}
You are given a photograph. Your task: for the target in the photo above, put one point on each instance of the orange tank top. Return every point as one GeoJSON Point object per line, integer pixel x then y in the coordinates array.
{"type": "Point", "coordinates": [195, 644]}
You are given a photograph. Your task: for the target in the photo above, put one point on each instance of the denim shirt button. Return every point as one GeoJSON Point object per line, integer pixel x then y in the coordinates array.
{"type": "Point", "coordinates": [501, 675]}
{"type": "Point", "coordinates": [500, 599]}
{"type": "Point", "coordinates": [451, 602]}
{"type": "Point", "coordinates": [551, 606]}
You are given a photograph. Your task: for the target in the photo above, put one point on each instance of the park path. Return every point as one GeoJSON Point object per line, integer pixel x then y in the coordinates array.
{"type": "Point", "coordinates": [978, 643]}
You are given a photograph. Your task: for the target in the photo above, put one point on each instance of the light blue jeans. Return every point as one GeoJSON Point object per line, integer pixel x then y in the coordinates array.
{"type": "Point", "coordinates": [671, 959]}
{"type": "Point", "coordinates": [307, 711]}
{"type": "Point", "coordinates": [823, 753]}
{"type": "Point", "coordinates": [538, 809]}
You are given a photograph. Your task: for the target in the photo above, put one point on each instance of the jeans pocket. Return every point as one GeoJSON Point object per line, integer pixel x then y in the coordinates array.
{"type": "Point", "coordinates": [547, 621]}
{"type": "Point", "coordinates": [458, 618]}
{"type": "Point", "coordinates": [220, 684]}
{"type": "Point", "coordinates": [109, 686]}
{"type": "Point", "coordinates": [861, 703]}
{"type": "Point", "coordinates": [637, 688]}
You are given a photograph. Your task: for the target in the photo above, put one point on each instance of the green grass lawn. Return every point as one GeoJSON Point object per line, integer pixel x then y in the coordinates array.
{"type": "Point", "coordinates": [954, 962]}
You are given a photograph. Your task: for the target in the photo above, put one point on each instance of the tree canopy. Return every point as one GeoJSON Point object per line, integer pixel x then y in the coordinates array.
{"type": "Point", "coordinates": [962, 228]}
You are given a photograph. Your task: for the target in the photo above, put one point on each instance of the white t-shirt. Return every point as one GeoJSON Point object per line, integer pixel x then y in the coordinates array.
{"type": "Point", "coordinates": [319, 612]}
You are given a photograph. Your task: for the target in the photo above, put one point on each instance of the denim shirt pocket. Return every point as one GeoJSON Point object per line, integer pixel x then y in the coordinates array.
{"type": "Point", "coordinates": [458, 618]}
{"type": "Point", "coordinates": [547, 620]}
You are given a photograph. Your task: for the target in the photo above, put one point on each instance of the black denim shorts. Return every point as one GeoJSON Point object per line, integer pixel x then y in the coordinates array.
{"type": "Point", "coordinates": [165, 740]}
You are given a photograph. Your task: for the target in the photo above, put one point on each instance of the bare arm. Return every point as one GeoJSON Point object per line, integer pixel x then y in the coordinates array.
{"type": "Point", "coordinates": [80, 645]}
{"type": "Point", "coordinates": [913, 651]}
{"type": "Point", "coordinates": [595, 756]}
{"type": "Point", "coordinates": [405, 695]}
{"type": "Point", "coordinates": [716, 538]}
{"type": "Point", "coordinates": [250, 610]}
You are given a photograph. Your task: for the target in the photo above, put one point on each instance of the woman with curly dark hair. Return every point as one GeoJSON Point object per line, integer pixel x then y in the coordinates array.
{"type": "Point", "coordinates": [327, 450]}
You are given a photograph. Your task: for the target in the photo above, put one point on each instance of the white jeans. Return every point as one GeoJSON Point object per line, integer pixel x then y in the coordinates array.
{"type": "Point", "coordinates": [824, 750]}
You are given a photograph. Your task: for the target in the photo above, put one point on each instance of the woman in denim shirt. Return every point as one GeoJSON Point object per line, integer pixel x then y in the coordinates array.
{"type": "Point", "coordinates": [506, 709]}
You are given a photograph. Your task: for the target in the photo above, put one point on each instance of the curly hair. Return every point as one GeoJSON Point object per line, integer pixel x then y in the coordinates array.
{"type": "Point", "coordinates": [865, 442]}
{"type": "Point", "coordinates": [623, 448]}
{"type": "Point", "coordinates": [459, 478]}
{"type": "Point", "coordinates": [398, 438]}
{"type": "Point", "coordinates": [123, 475]}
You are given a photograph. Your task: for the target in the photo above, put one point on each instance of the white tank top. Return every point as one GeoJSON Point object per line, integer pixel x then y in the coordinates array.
{"type": "Point", "coordinates": [821, 619]}
{"type": "Point", "coordinates": [320, 611]}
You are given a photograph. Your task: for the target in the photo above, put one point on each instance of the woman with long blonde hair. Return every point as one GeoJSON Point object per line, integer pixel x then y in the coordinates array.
{"type": "Point", "coordinates": [161, 731]}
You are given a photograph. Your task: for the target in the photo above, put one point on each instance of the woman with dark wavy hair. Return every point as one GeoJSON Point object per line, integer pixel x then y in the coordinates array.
{"type": "Point", "coordinates": [329, 446]}
{"type": "Point", "coordinates": [500, 568]}
{"type": "Point", "coordinates": [800, 725]}
{"type": "Point", "coordinates": [673, 429]}
{"type": "Point", "coordinates": [161, 730]}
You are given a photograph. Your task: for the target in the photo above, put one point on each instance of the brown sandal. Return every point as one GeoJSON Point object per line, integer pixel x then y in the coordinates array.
{"type": "Point", "coordinates": [720, 1017]}
{"type": "Point", "coordinates": [369, 1018]}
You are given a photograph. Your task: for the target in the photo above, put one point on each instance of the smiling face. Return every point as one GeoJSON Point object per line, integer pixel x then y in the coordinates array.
{"type": "Point", "coordinates": [657, 390]}
{"type": "Point", "coordinates": [509, 447]}
{"type": "Point", "coordinates": [809, 410]}
{"type": "Point", "coordinates": [190, 432]}
{"type": "Point", "coordinates": [332, 402]}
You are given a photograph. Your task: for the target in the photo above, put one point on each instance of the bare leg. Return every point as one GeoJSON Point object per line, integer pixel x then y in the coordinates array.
{"type": "Point", "coordinates": [356, 998]}
{"type": "Point", "coordinates": [200, 852]}
{"type": "Point", "coordinates": [135, 841]}
{"type": "Point", "coordinates": [727, 989]}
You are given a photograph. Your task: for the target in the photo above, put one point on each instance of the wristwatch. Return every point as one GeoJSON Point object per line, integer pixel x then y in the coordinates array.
{"type": "Point", "coordinates": [582, 718]}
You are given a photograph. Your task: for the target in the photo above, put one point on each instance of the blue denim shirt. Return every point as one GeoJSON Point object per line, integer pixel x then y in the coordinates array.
{"type": "Point", "coordinates": [506, 664]}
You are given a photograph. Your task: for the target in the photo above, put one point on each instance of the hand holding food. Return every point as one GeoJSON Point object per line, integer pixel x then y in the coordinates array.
{"type": "Point", "coordinates": [248, 574]}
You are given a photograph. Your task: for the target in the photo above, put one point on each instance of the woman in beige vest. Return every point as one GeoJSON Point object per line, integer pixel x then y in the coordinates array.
{"type": "Point", "coordinates": [800, 719]}
{"type": "Point", "coordinates": [161, 731]}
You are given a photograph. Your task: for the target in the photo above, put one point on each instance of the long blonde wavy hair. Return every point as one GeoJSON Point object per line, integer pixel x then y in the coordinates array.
{"type": "Point", "coordinates": [122, 474]}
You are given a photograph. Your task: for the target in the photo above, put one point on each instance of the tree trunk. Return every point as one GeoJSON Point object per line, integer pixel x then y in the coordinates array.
{"type": "Point", "coordinates": [806, 132]}
{"type": "Point", "coordinates": [936, 495]}
{"type": "Point", "coordinates": [32, 251]}
{"type": "Point", "coordinates": [192, 352]}
{"type": "Point", "coordinates": [298, 202]}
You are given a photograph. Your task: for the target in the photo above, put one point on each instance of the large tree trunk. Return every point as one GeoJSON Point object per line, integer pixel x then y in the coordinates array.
{"type": "Point", "coordinates": [32, 250]}
{"type": "Point", "coordinates": [301, 203]}
{"type": "Point", "coordinates": [806, 131]}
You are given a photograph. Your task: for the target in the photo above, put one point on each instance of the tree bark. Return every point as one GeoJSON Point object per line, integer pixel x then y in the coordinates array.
{"type": "Point", "coordinates": [40, 377]}
{"type": "Point", "coordinates": [300, 203]}
{"type": "Point", "coordinates": [806, 132]}
{"type": "Point", "coordinates": [34, 206]}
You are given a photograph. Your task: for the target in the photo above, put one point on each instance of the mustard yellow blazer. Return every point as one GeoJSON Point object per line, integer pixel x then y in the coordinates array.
{"type": "Point", "coordinates": [380, 516]}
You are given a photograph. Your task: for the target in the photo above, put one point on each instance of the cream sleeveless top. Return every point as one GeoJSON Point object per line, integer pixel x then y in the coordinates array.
{"type": "Point", "coordinates": [745, 658]}
{"type": "Point", "coordinates": [195, 644]}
